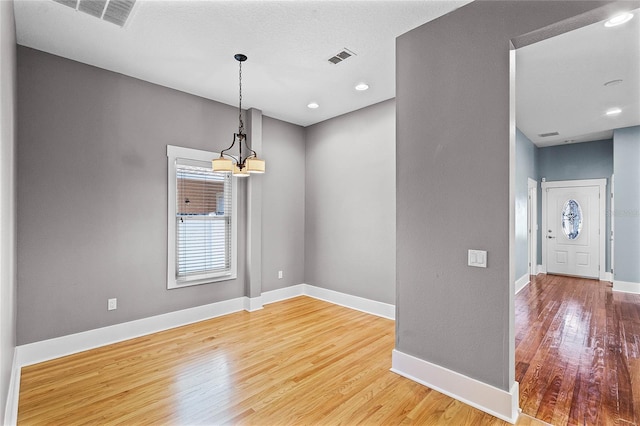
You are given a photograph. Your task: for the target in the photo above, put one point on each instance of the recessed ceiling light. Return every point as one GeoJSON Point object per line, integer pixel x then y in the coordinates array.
{"type": "Point", "coordinates": [362, 86]}
{"type": "Point", "coordinates": [613, 111]}
{"type": "Point", "coordinates": [619, 20]}
{"type": "Point", "coordinates": [613, 82]}
{"type": "Point", "coordinates": [313, 105]}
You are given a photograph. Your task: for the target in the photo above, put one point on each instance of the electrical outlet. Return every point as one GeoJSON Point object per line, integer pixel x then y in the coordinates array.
{"type": "Point", "coordinates": [112, 304]}
{"type": "Point", "coordinates": [279, 274]}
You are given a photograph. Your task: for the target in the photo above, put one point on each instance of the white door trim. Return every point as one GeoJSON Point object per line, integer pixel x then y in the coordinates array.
{"type": "Point", "coordinates": [532, 224]}
{"type": "Point", "coordinates": [611, 235]}
{"type": "Point", "coordinates": [602, 183]}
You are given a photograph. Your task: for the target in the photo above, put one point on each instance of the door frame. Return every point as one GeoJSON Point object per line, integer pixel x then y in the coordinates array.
{"type": "Point", "coordinates": [532, 225]}
{"type": "Point", "coordinates": [611, 235]}
{"type": "Point", "coordinates": [602, 183]}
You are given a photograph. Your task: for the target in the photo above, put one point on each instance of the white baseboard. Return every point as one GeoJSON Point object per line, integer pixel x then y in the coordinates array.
{"type": "Point", "coordinates": [497, 402]}
{"type": "Point", "coordinates": [252, 303]}
{"type": "Point", "coordinates": [541, 269]}
{"type": "Point", "coordinates": [33, 353]}
{"type": "Point", "coordinates": [626, 287]}
{"type": "Point", "coordinates": [283, 293]}
{"type": "Point", "coordinates": [11, 409]}
{"type": "Point", "coordinates": [607, 276]}
{"type": "Point", "coordinates": [522, 282]}
{"type": "Point", "coordinates": [373, 307]}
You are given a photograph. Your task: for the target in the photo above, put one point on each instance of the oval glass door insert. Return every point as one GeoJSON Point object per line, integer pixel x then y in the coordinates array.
{"type": "Point", "coordinates": [571, 219]}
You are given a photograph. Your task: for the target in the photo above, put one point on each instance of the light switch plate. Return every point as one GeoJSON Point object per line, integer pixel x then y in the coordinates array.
{"type": "Point", "coordinates": [477, 258]}
{"type": "Point", "coordinates": [112, 304]}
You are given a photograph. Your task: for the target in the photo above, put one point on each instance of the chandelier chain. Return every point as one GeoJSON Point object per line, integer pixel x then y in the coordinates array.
{"type": "Point", "coordinates": [241, 165]}
{"type": "Point", "coordinates": [240, 130]}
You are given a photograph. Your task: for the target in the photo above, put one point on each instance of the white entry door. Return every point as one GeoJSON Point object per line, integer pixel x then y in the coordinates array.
{"type": "Point", "coordinates": [572, 230]}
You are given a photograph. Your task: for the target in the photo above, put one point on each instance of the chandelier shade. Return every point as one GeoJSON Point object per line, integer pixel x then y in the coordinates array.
{"type": "Point", "coordinates": [222, 165]}
{"type": "Point", "coordinates": [255, 165]}
{"type": "Point", "coordinates": [240, 166]}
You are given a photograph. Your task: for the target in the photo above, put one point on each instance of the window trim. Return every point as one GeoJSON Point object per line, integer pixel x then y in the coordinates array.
{"type": "Point", "coordinates": [173, 153]}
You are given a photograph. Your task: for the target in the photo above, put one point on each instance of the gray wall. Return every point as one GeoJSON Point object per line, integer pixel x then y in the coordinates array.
{"type": "Point", "coordinates": [526, 167]}
{"type": "Point", "coordinates": [7, 199]}
{"type": "Point", "coordinates": [453, 172]}
{"type": "Point", "coordinates": [626, 160]}
{"type": "Point", "coordinates": [283, 204]}
{"type": "Point", "coordinates": [588, 160]}
{"type": "Point", "coordinates": [350, 203]}
{"type": "Point", "coordinates": [92, 173]}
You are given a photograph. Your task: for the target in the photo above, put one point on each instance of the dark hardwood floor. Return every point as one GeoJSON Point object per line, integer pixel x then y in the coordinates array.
{"type": "Point", "coordinates": [578, 352]}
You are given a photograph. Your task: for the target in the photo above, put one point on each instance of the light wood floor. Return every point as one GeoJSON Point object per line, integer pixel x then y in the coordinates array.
{"type": "Point", "coordinates": [301, 361]}
{"type": "Point", "coordinates": [578, 352]}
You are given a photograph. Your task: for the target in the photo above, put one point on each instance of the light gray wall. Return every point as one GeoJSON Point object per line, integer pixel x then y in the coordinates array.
{"type": "Point", "coordinates": [8, 99]}
{"type": "Point", "coordinates": [526, 167]}
{"type": "Point", "coordinates": [588, 160]}
{"type": "Point", "coordinates": [626, 164]}
{"type": "Point", "coordinates": [350, 203]}
{"type": "Point", "coordinates": [92, 195]}
{"type": "Point", "coordinates": [453, 149]}
{"type": "Point", "coordinates": [283, 204]}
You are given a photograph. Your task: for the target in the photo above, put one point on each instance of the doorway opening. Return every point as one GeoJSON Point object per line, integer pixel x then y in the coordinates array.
{"type": "Point", "coordinates": [573, 224]}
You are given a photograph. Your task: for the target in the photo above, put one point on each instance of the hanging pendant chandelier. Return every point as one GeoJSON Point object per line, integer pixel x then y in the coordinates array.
{"type": "Point", "coordinates": [239, 166]}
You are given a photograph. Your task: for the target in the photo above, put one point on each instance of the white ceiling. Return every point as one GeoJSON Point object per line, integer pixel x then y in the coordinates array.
{"type": "Point", "coordinates": [189, 45]}
{"type": "Point", "coordinates": [560, 83]}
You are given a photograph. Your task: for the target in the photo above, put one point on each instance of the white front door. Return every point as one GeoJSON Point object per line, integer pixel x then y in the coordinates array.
{"type": "Point", "coordinates": [572, 232]}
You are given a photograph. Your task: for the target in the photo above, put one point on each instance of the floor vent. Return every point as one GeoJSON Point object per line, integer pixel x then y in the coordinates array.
{"type": "Point", "coordinates": [341, 56]}
{"type": "Point", "coordinates": [546, 135]}
{"type": "Point", "coordinates": [114, 11]}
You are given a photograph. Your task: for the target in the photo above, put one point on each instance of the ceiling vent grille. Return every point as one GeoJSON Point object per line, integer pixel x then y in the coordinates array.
{"type": "Point", "coordinates": [546, 135]}
{"type": "Point", "coordinates": [341, 56]}
{"type": "Point", "coordinates": [114, 11]}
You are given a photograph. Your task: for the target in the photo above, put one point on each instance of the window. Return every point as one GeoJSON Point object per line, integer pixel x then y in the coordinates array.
{"type": "Point", "coordinates": [571, 219]}
{"type": "Point", "coordinates": [202, 220]}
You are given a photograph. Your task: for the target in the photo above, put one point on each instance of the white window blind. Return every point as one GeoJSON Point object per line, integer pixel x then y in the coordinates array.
{"type": "Point", "coordinates": [203, 220]}
{"type": "Point", "coordinates": [202, 214]}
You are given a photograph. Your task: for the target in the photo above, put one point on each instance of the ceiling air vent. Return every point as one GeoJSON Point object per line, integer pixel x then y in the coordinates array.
{"type": "Point", "coordinates": [341, 56]}
{"type": "Point", "coordinates": [114, 11]}
{"type": "Point", "coordinates": [546, 135]}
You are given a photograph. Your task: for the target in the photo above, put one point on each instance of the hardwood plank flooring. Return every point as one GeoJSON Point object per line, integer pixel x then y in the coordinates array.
{"type": "Point", "coordinates": [301, 361]}
{"type": "Point", "coordinates": [578, 352]}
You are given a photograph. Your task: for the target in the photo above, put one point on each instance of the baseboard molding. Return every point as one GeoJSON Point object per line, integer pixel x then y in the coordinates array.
{"type": "Point", "coordinates": [607, 276]}
{"type": "Point", "coordinates": [373, 307]}
{"type": "Point", "coordinates": [45, 350]}
{"type": "Point", "coordinates": [252, 303]}
{"type": "Point", "coordinates": [491, 400]}
{"type": "Point", "coordinates": [522, 282]}
{"type": "Point", "coordinates": [626, 287]}
{"type": "Point", "coordinates": [281, 294]}
{"type": "Point", "coordinates": [33, 353]}
{"type": "Point", "coordinates": [541, 269]}
{"type": "Point", "coordinates": [11, 409]}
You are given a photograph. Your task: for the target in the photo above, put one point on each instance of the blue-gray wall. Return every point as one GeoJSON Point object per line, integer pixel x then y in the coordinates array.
{"type": "Point", "coordinates": [526, 167]}
{"type": "Point", "coordinates": [8, 136]}
{"type": "Point", "coordinates": [626, 162]}
{"type": "Point", "coordinates": [588, 160]}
